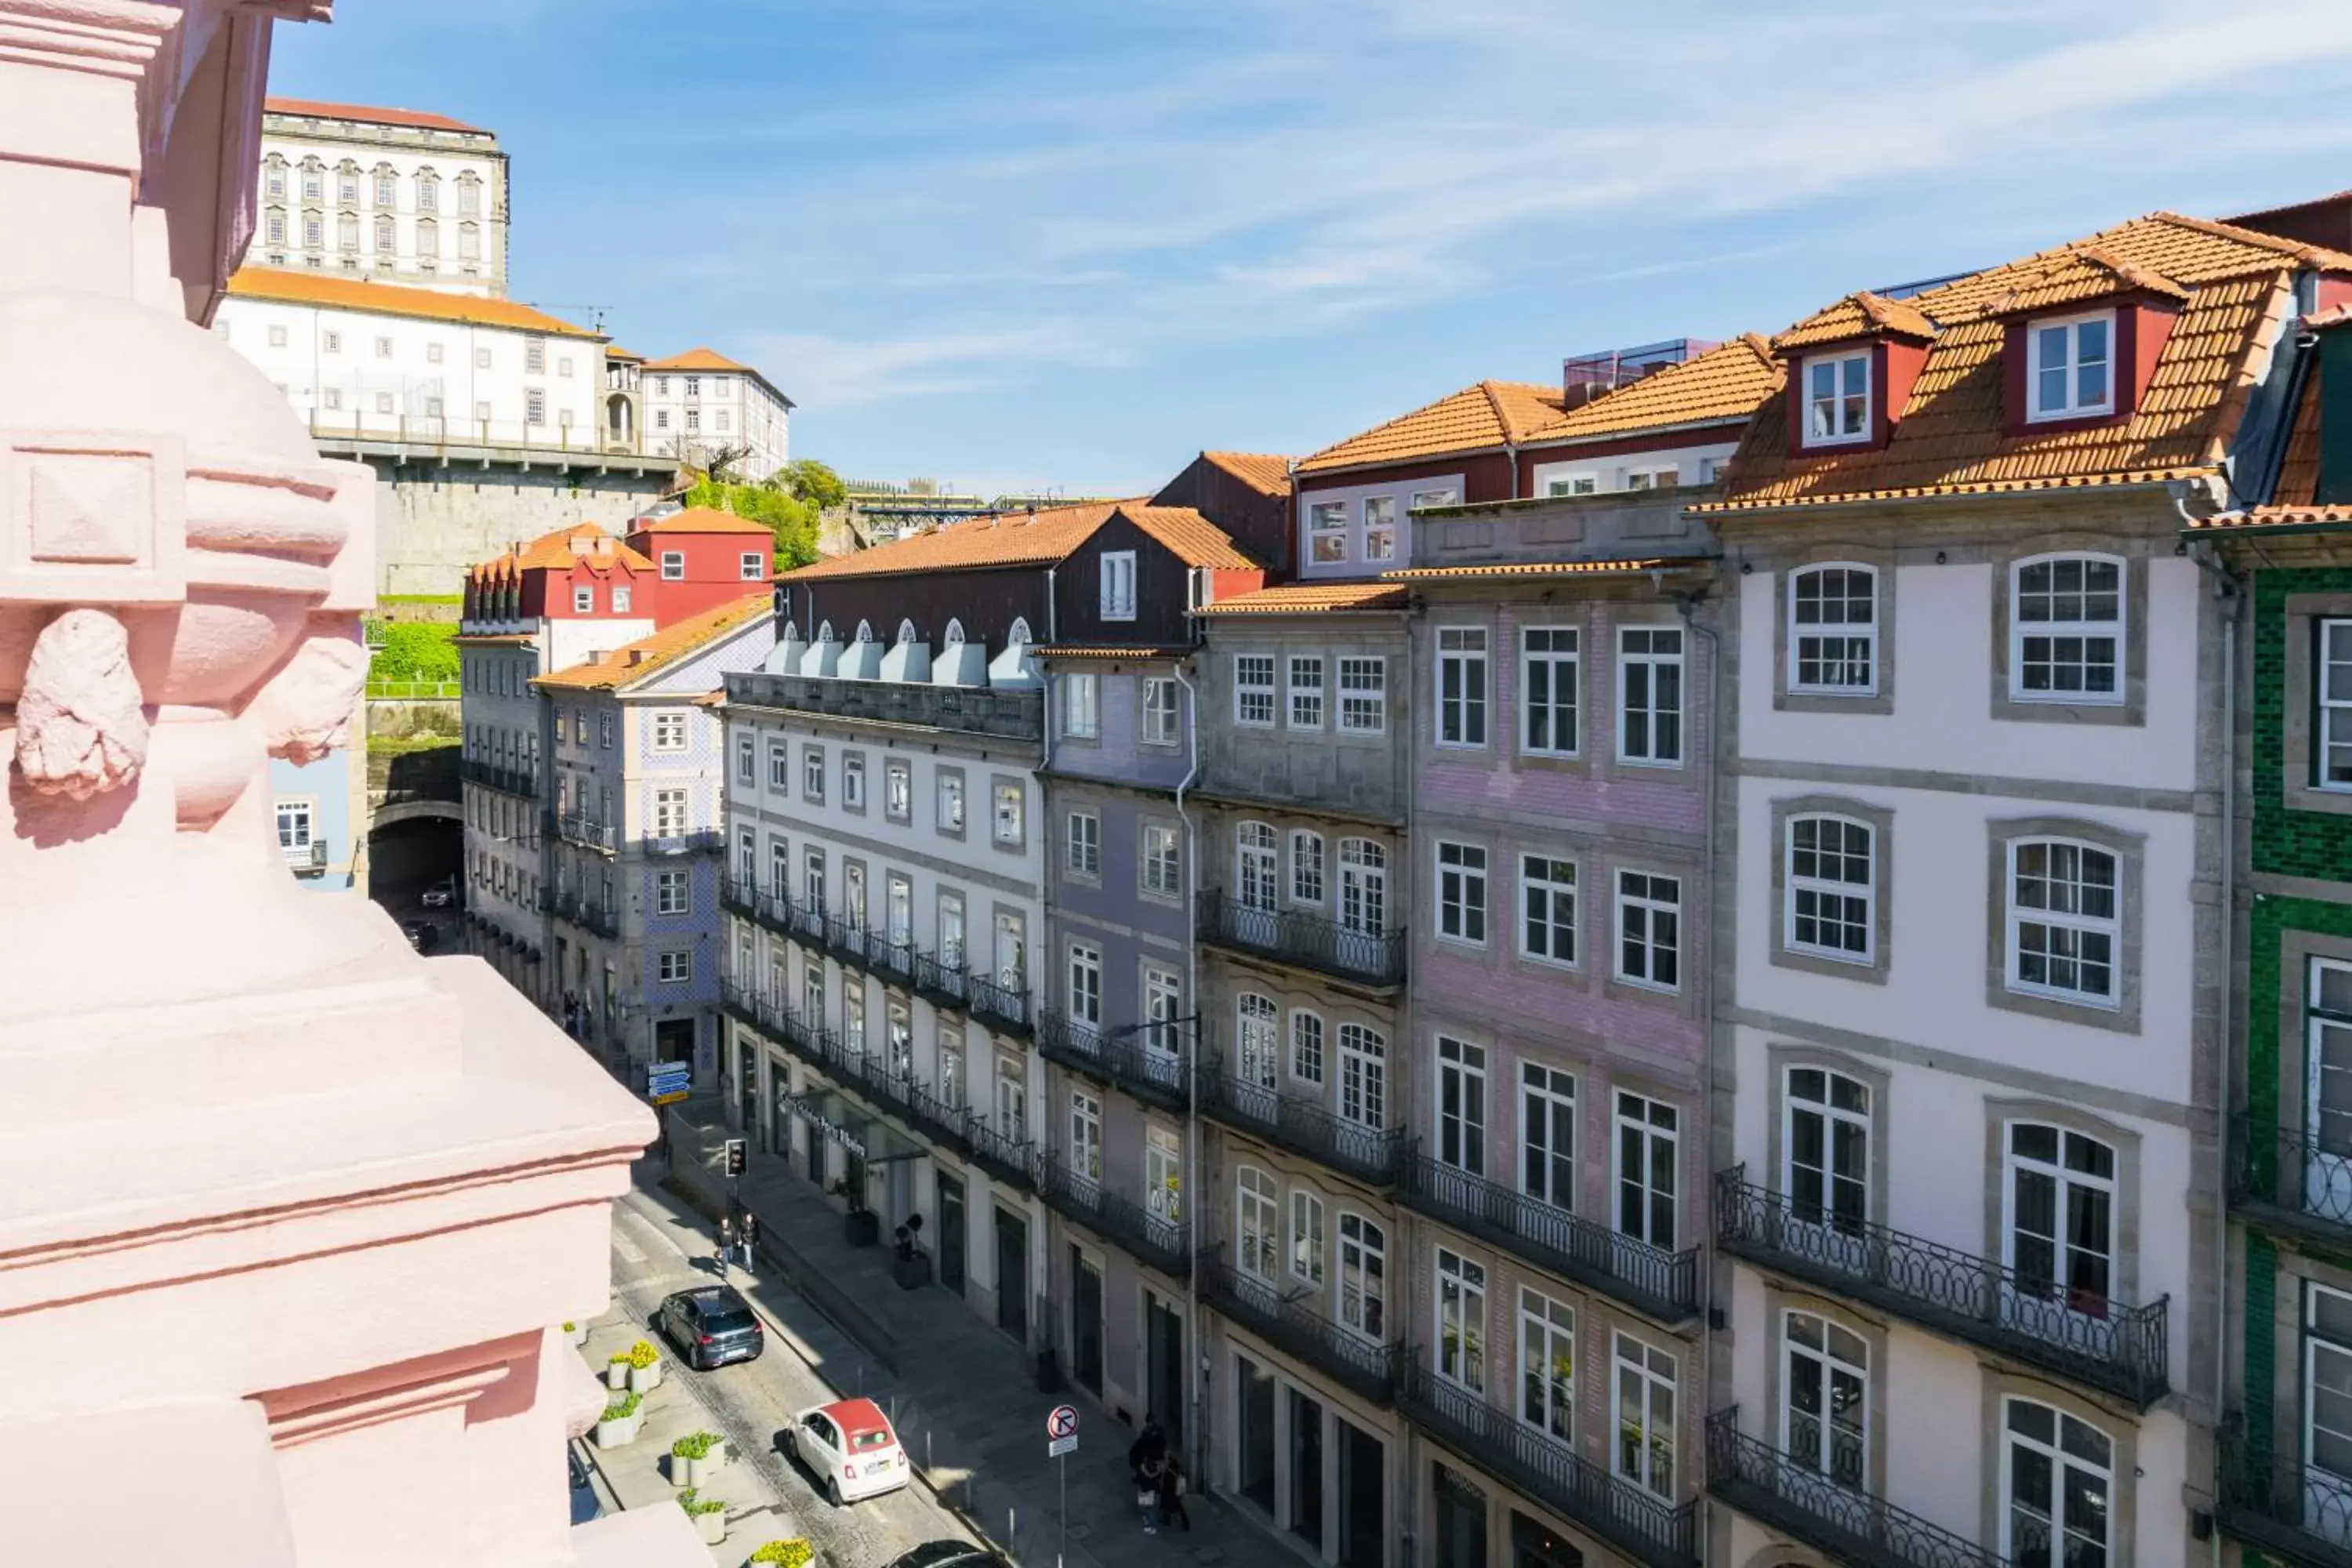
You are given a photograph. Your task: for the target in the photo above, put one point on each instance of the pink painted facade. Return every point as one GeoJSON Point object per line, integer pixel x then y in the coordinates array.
{"type": "Point", "coordinates": [289, 1214]}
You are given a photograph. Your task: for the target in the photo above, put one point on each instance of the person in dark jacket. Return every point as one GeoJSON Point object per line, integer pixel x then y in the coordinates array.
{"type": "Point", "coordinates": [1171, 1493]}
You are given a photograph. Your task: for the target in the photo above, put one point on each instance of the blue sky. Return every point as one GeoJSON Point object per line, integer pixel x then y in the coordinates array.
{"type": "Point", "coordinates": [1068, 243]}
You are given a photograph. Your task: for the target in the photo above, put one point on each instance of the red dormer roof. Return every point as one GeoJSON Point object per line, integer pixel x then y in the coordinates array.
{"type": "Point", "coordinates": [1861, 314]}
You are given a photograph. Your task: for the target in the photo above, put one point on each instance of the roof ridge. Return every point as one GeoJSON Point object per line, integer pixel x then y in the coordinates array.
{"type": "Point", "coordinates": [2299, 249]}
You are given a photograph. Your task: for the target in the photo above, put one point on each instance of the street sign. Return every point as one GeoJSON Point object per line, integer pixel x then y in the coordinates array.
{"type": "Point", "coordinates": [668, 1082]}
{"type": "Point", "coordinates": [1061, 1446]}
{"type": "Point", "coordinates": [1062, 1422]}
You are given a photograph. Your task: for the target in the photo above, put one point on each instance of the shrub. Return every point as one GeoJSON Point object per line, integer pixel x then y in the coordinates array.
{"type": "Point", "coordinates": [695, 1445]}
{"type": "Point", "coordinates": [641, 1354]}
{"type": "Point", "coordinates": [571, 1328]}
{"type": "Point", "coordinates": [694, 1502]}
{"type": "Point", "coordinates": [415, 650]}
{"type": "Point", "coordinates": [794, 1553]}
{"type": "Point", "coordinates": [622, 1407]}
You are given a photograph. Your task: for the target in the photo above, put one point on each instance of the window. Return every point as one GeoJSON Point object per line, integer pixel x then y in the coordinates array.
{"type": "Point", "coordinates": [661, 418]}
{"type": "Point", "coordinates": [669, 814]}
{"type": "Point", "coordinates": [694, 386]}
{"type": "Point", "coordinates": [1326, 531]}
{"type": "Point", "coordinates": [1081, 707]}
{"type": "Point", "coordinates": [751, 565]}
{"type": "Point", "coordinates": [1257, 1055]}
{"type": "Point", "coordinates": [1653, 479]}
{"type": "Point", "coordinates": [2064, 898]}
{"type": "Point", "coordinates": [294, 828]}
{"type": "Point", "coordinates": [951, 929]}
{"type": "Point", "coordinates": [2333, 684]}
{"type": "Point", "coordinates": [898, 790]}
{"type": "Point", "coordinates": [1461, 1105]}
{"type": "Point", "coordinates": [669, 731]}
{"type": "Point", "coordinates": [1837, 399]}
{"type": "Point", "coordinates": [780, 766]}
{"type": "Point", "coordinates": [1646, 1174]}
{"type": "Point", "coordinates": [2059, 1237]}
{"type": "Point", "coordinates": [673, 566]}
{"type": "Point", "coordinates": [1547, 909]}
{"type": "Point", "coordinates": [747, 765]}
{"type": "Point", "coordinates": [1119, 585]}
{"type": "Point", "coordinates": [2069, 365]}
{"type": "Point", "coordinates": [1547, 689]}
{"type": "Point", "coordinates": [1548, 1134]}
{"type": "Point", "coordinates": [1363, 697]}
{"type": "Point", "coordinates": [1833, 631]}
{"type": "Point", "coordinates": [813, 774]}
{"type": "Point", "coordinates": [1164, 1175]}
{"type": "Point", "coordinates": [1305, 1046]}
{"type": "Point", "coordinates": [1163, 1003]}
{"type": "Point", "coordinates": [1645, 1451]}
{"type": "Point", "coordinates": [1827, 1148]}
{"type": "Point", "coordinates": [1379, 528]}
{"type": "Point", "coordinates": [605, 731]}
{"type": "Point", "coordinates": [470, 196]}
{"type": "Point", "coordinates": [1258, 1210]}
{"type": "Point", "coordinates": [387, 189]}
{"type": "Point", "coordinates": [1649, 929]}
{"type": "Point", "coordinates": [1086, 984]}
{"type": "Point", "coordinates": [428, 194]}
{"type": "Point", "coordinates": [277, 336]}
{"type": "Point", "coordinates": [693, 419]}
{"type": "Point", "coordinates": [669, 892]}
{"type": "Point", "coordinates": [2328, 1400]}
{"type": "Point", "coordinates": [1461, 1321]}
{"type": "Point", "coordinates": [852, 781]}
{"type": "Point", "coordinates": [1572, 485]}
{"type": "Point", "coordinates": [1829, 893]}
{"type": "Point", "coordinates": [1363, 1277]}
{"type": "Point", "coordinates": [1650, 695]}
{"type": "Point", "coordinates": [1547, 1365]}
{"type": "Point", "coordinates": [1306, 868]}
{"type": "Point", "coordinates": [1462, 893]}
{"type": "Point", "coordinates": [584, 600]}
{"type": "Point", "coordinates": [1363, 1077]}
{"type": "Point", "coordinates": [276, 227]}
{"type": "Point", "coordinates": [1461, 685]}
{"type": "Point", "coordinates": [314, 231]}
{"type": "Point", "coordinates": [1363, 887]}
{"type": "Point", "coordinates": [1306, 693]}
{"type": "Point", "coordinates": [950, 803]}
{"type": "Point", "coordinates": [1084, 843]}
{"type": "Point", "coordinates": [1825, 1398]}
{"type": "Point", "coordinates": [1307, 1238]}
{"type": "Point", "coordinates": [1253, 867]}
{"type": "Point", "coordinates": [534, 406]}
{"type": "Point", "coordinates": [1159, 710]}
{"type": "Point", "coordinates": [2057, 1488]}
{"type": "Point", "coordinates": [673, 968]}
{"type": "Point", "coordinates": [277, 180]}
{"type": "Point", "coordinates": [347, 232]}
{"type": "Point", "coordinates": [384, 402]}
{"type": "Point", "coordinates": [2066, 627]}
{"type": "Point", "coordinates": [1009, 808]}
{"type": "Point", "coordinates": [1253, 690]}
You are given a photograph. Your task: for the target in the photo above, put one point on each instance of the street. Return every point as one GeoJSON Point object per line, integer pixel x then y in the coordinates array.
{"type": "Point", "coordinates": [660, 1246]}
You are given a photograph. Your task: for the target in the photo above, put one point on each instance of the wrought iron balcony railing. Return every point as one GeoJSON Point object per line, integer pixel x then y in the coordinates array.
{"type": "Point", "coordinates": [589, 834]}
{"type": "Point", "coordinates": [1001, 1154]}
{"type": "Point", "coordinates": [742, 896]}
{"type": "Point", "coordinates": [1634, 1520]}
{"type": "Point", "coordinates": [2288, 1179]}
{"type": "Point", "coordinates": [492, 775]}
{"type": "Point", "coordinates": [1368, 1153]}
{"type": "Point", "coordinates": [941, 980]}
{"type": "Point", "coordinates": [1665, 1285]}
{"type": "Point", "coordinates": [894, 956]}
{"type": "Point", "coordinates": [1002, 1002]}
{"type": "Point", "coordinates": [2269, 1499]}
{"type": "Point", "coordinates": [590, 914]}
{"type": "Point", "coordinates": [1843, 1522]}
{"type": "Point", "coordinates": [2097, 1341]}
{"type": "Point", "coordinates": [1146, 1236]}
{"type": "Point", "coordinates": [1310, 942]}
{"type": "Point", "coordinates": [1291, 1325]}
{"type": "Point", "coordinates": [1121, 1057]}
{"type": "Point", "coordinates": [685, 842]}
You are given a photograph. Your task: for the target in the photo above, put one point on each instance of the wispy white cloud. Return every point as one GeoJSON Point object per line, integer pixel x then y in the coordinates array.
{"type": "Point", "coordinates": [845, 372]}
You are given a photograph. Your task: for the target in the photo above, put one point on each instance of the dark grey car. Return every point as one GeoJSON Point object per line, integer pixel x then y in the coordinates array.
{"type": "Point", "coordinates": [711, 1326]}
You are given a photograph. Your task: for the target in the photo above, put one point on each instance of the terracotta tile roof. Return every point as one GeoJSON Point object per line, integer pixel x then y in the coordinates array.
{"type": "Point", "coordinates": [1470, 420]}
{"type": "Point", "coordinates": [615, 351]}
{"type": "Point", "coordinates": [2084, 272]}
{"type": "Point", "coordinates": [697, 359]}
{"type": "Point", "coordinates": [558, 549]}
{"type": "Point", "coordinates": [712, 698]}
{"type": "Point", "coordinates": [1548, 568]}
{"type": "Point", "coordinates": [2257, 518]}
{"type": "Point", "coordinates": [1264, 473]}
{"type": "Point", "coordinates": [1724, 383]}
{"type": "Point", "coordinates": [313, 108]}
{"type": "Point", "coordinates": [1008, 539]}
{"type": "Point", "coordinates": [345, 292]}
{"type": "Point", "coordinates": [1854, 316]}
{"type": "Point", "coordinates": [634, 661]}
{"type": "Point", "coordinates": [1950, 441]}
{"type": "Point", "coordinates": [703, 520]}
{"type": "Point", "coordinates": [1310, 598]}
{"type": "Point", "coordinates": [2299, 475]}
{"type": "Point", "coordinates": [1190, 537]}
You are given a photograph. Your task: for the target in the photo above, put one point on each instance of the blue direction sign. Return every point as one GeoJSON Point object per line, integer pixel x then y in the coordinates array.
{"type": "Point", "coordinates": [668, 1082]}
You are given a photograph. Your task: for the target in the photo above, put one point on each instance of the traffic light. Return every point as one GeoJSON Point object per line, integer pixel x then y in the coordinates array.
{"type": "Point", "coordinates": [738, 1156]}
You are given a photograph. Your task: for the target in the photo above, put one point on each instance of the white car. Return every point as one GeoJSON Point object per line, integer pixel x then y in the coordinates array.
{"type": "Point", "coordinates": [850, 1447]}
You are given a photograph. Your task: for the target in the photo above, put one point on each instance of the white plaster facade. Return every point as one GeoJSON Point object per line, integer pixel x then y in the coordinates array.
{"type": "Point", "coordinates": [1563, 471]}
{"type": "Point", "coordinates": [695, 403]}
{"type": "Point", "coordinates": [410, 198]}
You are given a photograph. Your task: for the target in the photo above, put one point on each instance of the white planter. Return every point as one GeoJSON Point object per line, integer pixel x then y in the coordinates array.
{"type": "Point", "coordinates": [618, 1434]}
{"type": "Point", "coordinates": [642, 1378]}
{"type": "Point", "coordinates": [718, 1458]}
{"type": "Point", "coordinates": [686, 1472]}
{"type": "Point", "coordinates": [711, 1527]}
{"type": "Point", "coordinates": [616, 1375]}
{"type": "Point", "coordinates": [580, 1334]}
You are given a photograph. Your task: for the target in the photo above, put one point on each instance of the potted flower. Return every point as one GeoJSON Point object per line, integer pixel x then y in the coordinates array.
{"type": "Point", "coordinates": [616, 1371]}
{"type": "Point", "coordinates": [645, 1366]}
{"type": "Point", "coordinates": [576, 1332]}
{"type": "Point", "coordinates": [618, 1425]}
{"type": "Point", "coordinates": [695, 1458]}
{"type": "Point", "coordinates": [709, 1515]}
{"type": "Point", "coordinates": [793, 1554]}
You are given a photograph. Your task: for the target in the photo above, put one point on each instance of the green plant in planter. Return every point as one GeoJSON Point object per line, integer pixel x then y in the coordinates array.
{"type": "Point", "coordinates": [641, 1354]}
{"type": "Point", "coordinates": [623, 1406]}
{"type": "Point", "coordinates": [694, 1502]}
{"type": "Point", "coordinates": [694, 1445]}
{"type": "Point", "coordinates": [571, 1328]}
{"type": "Point", "coordinates": [793, 1554]}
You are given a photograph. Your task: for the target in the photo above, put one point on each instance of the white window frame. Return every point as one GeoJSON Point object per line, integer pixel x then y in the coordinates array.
{"type": "Point", "coordinates": [1257, 874]}
{"type": "Point", "coordinates": [1119, 585]}
{"type": "Point", "coordinates": [1655, 721]}
{"type": "Point", "coordinates": [1640, 1126]}
{"type": "Point", "coordinates": [674, 967]}
{"type": "Point", "coordinates": [2055, 1453]}
{"type": "Point", "coordinates": [1830, 901]}
{"type": "Point", "coordinates": [1010, 815]}
{"type": "Point", "coordinates": [669, 814]}
{"type": "Point", "coordinates": [298, 825]}
{"type": "Point", "coordinates": [1362, 1277]}
{"type": "Point", "coordinates": [1460, 1106]}
{"type": "Point", "coordinates": [1649, 905]}
{"type": "Point", "coordinates": [1305, 1240]}
{"type": "Point", "coordinates": [852, 781]}
{"type": "Point", "coordinates": [813, 774]}
{"type": "Point", "coordinates": [1460, 1302]}
{"type": "Point", "coordinates": [672, 892]}
{"type": "Point", "coordinates": [1838, 434]}
{"type": "Point", "coordinates": [1159, 710]}
{"type": "Point", "coordinates": [1163, 867]}
{"type": "Point", "coordinates": [2072, 327]}
{"type": "Point", "coordinates": [950, 802]}
{"type": "Point", "coordinates": [2067, 1182]}
{"type": "Point", "coordinates": [1250, 691]}
{"type": "Point", "coordinates": [1544, 1405]}
{"type": "Point", "coordinates": [1635, 1380]}
{"type": "Point", "coordinates": [1464, 901]}
{"type": "Point", "coordinates": [1363, 1075]}
{"type": "Point", "coordinates": [669, 733]}
{"type": "Point", "coordinates": [1084, 982]}
{"type": "Point", "coordinates": [1554, 1090]}
{"type": "Point", "coordinates": [1081, 706]}
{"type": "Point", "coordinates": [1541, 885]}
{"type": "Point", "coordinates": [1305, 708]}
{"type": "Point", "coordinates": [1860, 638]}
{"type": "Point", "coordinates": [1258, 1040]}
{"type": "Point", "coordinates": [1309, 887]}
{"type": "Point", "coordinates": [673, 566]}
{"type": "Point", "coordinates": [1840, 1353]}
{"type": "Point", "coordinates": [753, 566]}
{"type": "Point", "coordinates": [2086, 630]}
{"type": "Point", "coordinates": [1380, 522]}
{"type": "Point", "coordinates": [1555, 662]}
{"type": "Point", "coordinates": [1082, 843]}
{"type": "Point", "coordinates": [2061, 923]}
{"type": "Point", "coordinates": [780, 766]}
{"type": "Point", "coordinates": [1363, 695]}
{"type": "Point", "coordinates": [1309, 1040]}
{"type": "Point", "coordinates": [1328, 530]}
{"type": "Point", "coordinates": [1824, 1136]}
{"type": "Point", "coordinates": [584, 599]}
{"type": "Point", "coordinates": [1257, 1223]}
{"type": "Point", "coordinates": [1461, 679]}
{"type": "Point", "coordinates": [2332, 645]}
{"type": "Point", "coordinates": [1363, 887]}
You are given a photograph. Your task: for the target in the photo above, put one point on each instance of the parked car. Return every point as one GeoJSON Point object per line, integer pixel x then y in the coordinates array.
{"type": "Point", "coordinates": [849, 1446]}
{"type": "Point", "coordinates": [711, 1326]}
{"type": "Point", "coordinates": [950, 1554]}
{"type": "Point", "coordinates": [441, 894]}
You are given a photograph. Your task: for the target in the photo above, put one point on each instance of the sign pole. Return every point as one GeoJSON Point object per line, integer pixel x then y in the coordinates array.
{"type": "Point", "coordinates": [1062, 1467]}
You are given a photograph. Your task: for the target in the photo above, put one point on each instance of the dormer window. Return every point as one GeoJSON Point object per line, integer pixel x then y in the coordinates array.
{"type": "Point", "coordinates": [2070, 367]}
{"type": "Point", "coordinates": [1837, 399]}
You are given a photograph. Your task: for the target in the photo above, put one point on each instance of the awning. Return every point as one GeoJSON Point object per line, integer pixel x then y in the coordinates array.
{"type": "Point", "coordinates": [855, 1128]}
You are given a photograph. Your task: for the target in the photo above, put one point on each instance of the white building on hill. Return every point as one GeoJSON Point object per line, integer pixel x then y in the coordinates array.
{"type": "Point", "coordinates": [699, 403]}
{"type": "Point", "coordinates": [391, 194]}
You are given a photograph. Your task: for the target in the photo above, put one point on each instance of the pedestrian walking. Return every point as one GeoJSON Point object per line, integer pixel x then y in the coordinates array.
{"type": "Point", "coordinates": [1171, 1492]}
{"type": "Point", "coordinates": [1146, 1493]}
{"type": "Point", "coordinates": [747, 1237]}
{"type": "Point", "coordinates": [726, 1245]}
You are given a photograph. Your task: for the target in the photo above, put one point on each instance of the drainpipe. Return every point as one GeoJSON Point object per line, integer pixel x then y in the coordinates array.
{"type": "Point", "coordinates": [1196, 1438]}
{"type": "Point", "coordinates": [2230, 592]}
{"type": "Point", "coordinates": [1686, 606]}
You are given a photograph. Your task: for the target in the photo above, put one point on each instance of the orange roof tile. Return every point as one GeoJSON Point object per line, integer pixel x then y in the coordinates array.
{"type": "Point", "coordinates": [1009, 539]}
{"type": "Point", "coordinates": [1190, 537]}
{"type": "Point", "coordinates": [1548, 568]}
{"type": "Point", "coordinates": [1470, 420]}
{"type": "Point", "coordinates": [1950, 440]}
{"type": "Point", "coordinates": [559, 547]}
{"type": "Point", "coordinates": [344, 291]}
{"type": "Point", "coordinates": [615, 351]}
{"type": "Point", "coordinates": [313, 108]}
{"type": "Point", "coordinates": [703, 520]}
{"type": "Point", "coordinates": [1263, 472]}
{"type": "Point", "coordinates": [1855, 316]}
{"type": "Point", "coordinates": [697, 359]}
{"type": "Point", "coordinates": [634, 661]}
{"type": "Point", "coordinates": [2255, 518]}
{"type": "Point", "coordinates": [1724, 383]}
{"type": "Point", "coordinates": [2084, 272]}
{"type": "Point", "coordinates": [1310, 598]}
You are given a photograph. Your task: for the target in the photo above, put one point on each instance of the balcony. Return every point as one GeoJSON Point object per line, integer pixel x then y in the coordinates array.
{"type": "Point", "coordinates": [1003, 1003]}
{"type": "Point", "coordinates": [1303, 942]}
{"type": "Point", "coordinates": [347, 433]}
{"type": "Point", "coordinates": [2273, 1500]}
{"type": "Point", "coordinates": [707, 839]}
{"type": "Point", "coordinates": [589, 914]}
{"type": "Point", "coordinates": [587, 833]}
{"type": "Point", "coordinates": [1151, 1240]}
{"type": "Point", "coordinates": [1007, 714]}
{"type": "Point", "coordinates": [2104, 1346]}
{"type": "Point", "coordinates": [1844, 1523]}
{"type": "Point", "coordinates": [1367, 1154]}
{"type": "Point", "coordinates": [2284, 1180]}
{"type": "Point", "coordinates": [1661, 1285]}
{"type": "Point", "coordinates": [1643, 1526]}
{"type": "Point", "coordinates": [1290, 1325]}
{"type": "Point", "coordinates": [306, 859]}
{"type": "Point", "coordinates": [1121, 1058]}
{"type": "Point", "coordinates": [491, 775]}
{"type": "Point", "coordinates": [891, 955]}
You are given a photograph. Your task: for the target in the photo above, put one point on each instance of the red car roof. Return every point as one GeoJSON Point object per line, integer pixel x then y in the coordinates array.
{"type": "Point", "coordinates": [856, 1417]}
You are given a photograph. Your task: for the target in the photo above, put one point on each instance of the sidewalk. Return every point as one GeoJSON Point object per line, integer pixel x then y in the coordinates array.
{"type": "Point", "coordinates": [963, 1395]}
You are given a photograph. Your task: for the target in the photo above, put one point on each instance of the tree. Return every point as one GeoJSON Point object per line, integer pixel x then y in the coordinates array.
{"type": "Point", "coordinates": [792, 520]}
{"type": "Point", "coordinates": [813, 484]}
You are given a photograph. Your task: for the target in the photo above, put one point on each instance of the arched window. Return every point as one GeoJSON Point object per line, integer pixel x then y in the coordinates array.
{"type": "Point", "coordinates": [2059, 1227]}
{"type": "Point", "coordinates": [1253, 867]}
{"type": "Point", "coordinates": [1363, 887]}
{"type": "Point", "coordinates": [2057, 1486]}
{"type": "Point", "coordinates": [1256, 1060]}
{"type": "Point", "coordinates": [825, 631]}
{"type": "Point", "coordinates": [1830, 886]}
{"type": "Point", "coordinates": [2066, 921]}
{"type": "Point", "coordinates": [954, 634]}
{"type": "Point", "coordinates": [1019, 636]}
{"type": "Point", "coordinates": [1833, 630]}
{"type": "Point", "coordinates": [1363, 1277]}
{"type": "Point", "coordinates": [790, 632]}
{"type": "Point", "coordinates": [906, 632]}
{"type": "Point", "coordinates": [1363, 1077]}
{"type": "Point", "coordinates": [1305, 868]}
{"type": "Point", "coordinates": [1825, 1142]}
{"type": "Point", "coordinates": [1258, 1230]}
{"type": "Point", "coordinates": [865, 631]}
{"type": "Point", "coordinates": [1825, 1406]}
